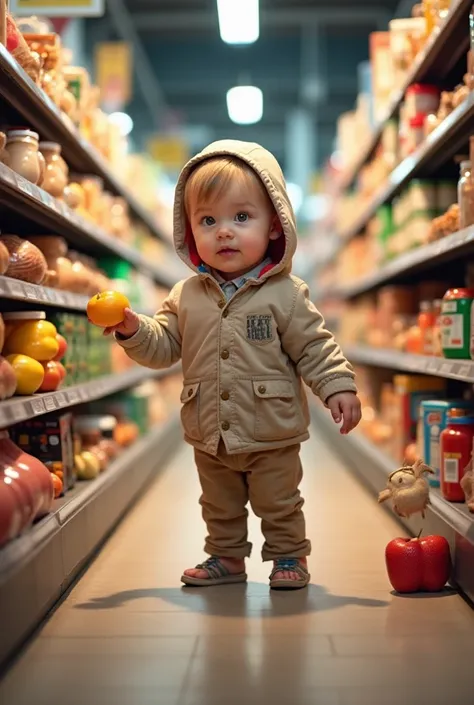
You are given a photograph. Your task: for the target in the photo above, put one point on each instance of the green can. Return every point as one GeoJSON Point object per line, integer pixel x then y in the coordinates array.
{"type": "Point", "coordinates": [456, 324]}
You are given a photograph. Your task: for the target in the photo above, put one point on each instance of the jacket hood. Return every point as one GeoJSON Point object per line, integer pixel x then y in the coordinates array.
{"type": "Point", "coordinates": [268, 170]}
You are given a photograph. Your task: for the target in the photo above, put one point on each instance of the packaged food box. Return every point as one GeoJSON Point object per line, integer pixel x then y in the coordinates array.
{"type": "Point", "coordinates": [433, 420]}
{"type": "Point", "coordinates": [409, 392]}
{"type": "Point", "coordinates": [49, 438]}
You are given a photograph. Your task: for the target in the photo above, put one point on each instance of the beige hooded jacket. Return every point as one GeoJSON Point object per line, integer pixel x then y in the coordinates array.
{"type": "Point", "coordinates": [243, 361]}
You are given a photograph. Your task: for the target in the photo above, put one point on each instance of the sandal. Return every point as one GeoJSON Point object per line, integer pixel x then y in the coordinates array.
{"type": "Point", "coordinates": [293, 565]}
{"type": "Point", "coordinates": [218, 575]}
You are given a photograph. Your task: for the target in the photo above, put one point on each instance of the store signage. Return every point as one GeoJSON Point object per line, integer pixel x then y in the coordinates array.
{"type": "Point", "coordinates": [170, 152]}
{"type": "Point", "coordinates": [57, 8]}
{"type": "Point", "coordinates": [114, 67]}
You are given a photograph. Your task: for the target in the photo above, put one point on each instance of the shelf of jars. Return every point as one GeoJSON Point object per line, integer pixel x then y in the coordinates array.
{"type": "Point", "coordinates": [436, 59]}
{"type": "Point", "coordinates": [43, 115]}
{"type": "Point", "coordinates": [25, 202]}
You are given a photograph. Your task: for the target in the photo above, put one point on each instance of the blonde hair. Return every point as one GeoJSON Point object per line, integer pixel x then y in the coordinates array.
{"type": "Point", "coordinates": [210, 179]}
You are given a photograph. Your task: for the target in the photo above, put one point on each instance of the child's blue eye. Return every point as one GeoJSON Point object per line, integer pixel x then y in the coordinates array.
{"type": "Point", "coordinates": [242, 217]}
{"type": "Point", "coordinates": [208, 220]}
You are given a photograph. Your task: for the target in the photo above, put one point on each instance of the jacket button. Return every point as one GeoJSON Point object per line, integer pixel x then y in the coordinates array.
{"type": "Point", "coordinates": [262, 389]}
{"type": "Point", "coordinates": [190, 393]}
{"type": "Point", "coordinates": [225, 396]}
{"type": "Point", "coordinates": [225, 425]}
{"type": "Point", "coordinates": [225, 354]}
{"type": "Point", "coordinates": [221, 303]}
{"type": "Point", "coordinates": [225, 313]}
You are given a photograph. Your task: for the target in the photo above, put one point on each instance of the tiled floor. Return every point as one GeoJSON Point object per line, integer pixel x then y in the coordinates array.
{"type": "Point", "coordinates": [128, 634]}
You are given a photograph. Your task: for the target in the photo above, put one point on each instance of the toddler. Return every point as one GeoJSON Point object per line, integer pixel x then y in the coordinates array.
{"type": "Point", "coordinates": [248, 336]}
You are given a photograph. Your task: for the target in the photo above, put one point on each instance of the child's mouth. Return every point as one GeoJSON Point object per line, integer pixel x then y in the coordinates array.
{"type": "Point", "coordinates": [227, 252]}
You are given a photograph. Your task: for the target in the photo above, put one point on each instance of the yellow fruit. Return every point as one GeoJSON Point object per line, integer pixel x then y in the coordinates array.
{"type": "Point", "coordinates": [107, 308]}
{"type": "Point", "coordinates": [36, 339]}
{"type": "Point", "coordinates": [29, 373]}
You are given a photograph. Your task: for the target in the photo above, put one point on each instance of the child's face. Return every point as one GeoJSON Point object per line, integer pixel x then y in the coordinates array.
{"type": "Point", "coordinates": [232, 234]}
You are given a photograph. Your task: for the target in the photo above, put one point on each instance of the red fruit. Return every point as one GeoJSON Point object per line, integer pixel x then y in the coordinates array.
{"type": "Point", "coordinates": [62, 347]}
{"type": "Point", "coordinates": [62, 371]}
{"type": "Point", "coordinates": [52, 377]}
{"type": "Point", "coordinates": [418, 565]}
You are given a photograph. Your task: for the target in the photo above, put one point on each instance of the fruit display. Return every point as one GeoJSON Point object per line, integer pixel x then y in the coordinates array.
{"type": "Point", "coordinates": [107, 308]}
{"type": "Point", "coordinates": [33, 349]}
{"type": "Point", "coordinates": [421, 564]}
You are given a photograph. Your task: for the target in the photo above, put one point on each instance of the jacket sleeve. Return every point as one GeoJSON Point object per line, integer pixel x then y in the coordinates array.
{"type": "Point", "coordinates": [313, 349]}
{"type": "Point", "coordinates": [157, 343]}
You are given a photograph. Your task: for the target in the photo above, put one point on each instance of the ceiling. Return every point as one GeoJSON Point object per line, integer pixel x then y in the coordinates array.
{"type": "Point", "coordinates": [307, 55]}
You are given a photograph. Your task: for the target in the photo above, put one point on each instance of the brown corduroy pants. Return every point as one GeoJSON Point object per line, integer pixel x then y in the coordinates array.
{"type": "Point", "coordinates": [269, 480]}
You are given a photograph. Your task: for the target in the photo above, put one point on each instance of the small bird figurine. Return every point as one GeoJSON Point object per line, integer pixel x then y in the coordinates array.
{"type": "Point", "coordinates": [408, 489]}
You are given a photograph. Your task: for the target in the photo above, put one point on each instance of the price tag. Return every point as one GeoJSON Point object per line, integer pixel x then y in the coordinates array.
{"type": "Point", "coordinates": [16, 288]}
{"type": "Point", "coordinates": [60, 298]}
{"type": "Point", "coordinates": [73, 396]}
{"type": "Point", "coordinates": [30, 291]}
{"type": "Point", "coordinates": [38, 406]}
{"type": "Point", "coordinates": [25, 186]}
{"type": "Point", "coordinates": [49, 403]}
{"type": "Point", "coordinates": [61, 399]}
{"type": "Point", "coordinates": [18, 411]}
{"type": "Point", "coordinates": [465, 371]}
{"type": "Point", "coordinates": [446, 368]}
{"type": "Point", "coordinates": [8, 175]}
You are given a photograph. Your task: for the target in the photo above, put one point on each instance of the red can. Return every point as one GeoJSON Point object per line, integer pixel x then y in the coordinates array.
{"type": "Point", "coordinates": [456, 442]}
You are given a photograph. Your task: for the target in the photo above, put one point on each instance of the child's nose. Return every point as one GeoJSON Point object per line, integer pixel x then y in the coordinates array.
{"type": "Point", "coordinates": [224, 232]}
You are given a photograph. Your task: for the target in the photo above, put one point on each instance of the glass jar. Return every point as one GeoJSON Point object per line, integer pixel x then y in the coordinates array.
{"type": "Point", "coordinates": [456, 446]}
{"type": "Point", "coordinates": [24, 156]}
{"type": "Point", "coordinates": [466, 195]}
{"type": "Point", "coordinates": [55, 176]}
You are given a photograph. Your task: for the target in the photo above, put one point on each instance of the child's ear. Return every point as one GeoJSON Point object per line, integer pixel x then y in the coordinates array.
{"type": "Point", "coordinates": [275, 228]}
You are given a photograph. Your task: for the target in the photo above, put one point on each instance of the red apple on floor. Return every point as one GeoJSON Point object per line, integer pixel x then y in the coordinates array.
{"type": "Point", "coordinates": [419, 564]}
{"type": "Point", "coordinates": [52, 377]}
{"type": "Point", "coordinates": [62, 347]}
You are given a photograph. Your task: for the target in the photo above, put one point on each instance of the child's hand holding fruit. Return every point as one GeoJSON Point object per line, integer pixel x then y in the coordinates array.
{"type": "Point", "coordinates": [111, 310]}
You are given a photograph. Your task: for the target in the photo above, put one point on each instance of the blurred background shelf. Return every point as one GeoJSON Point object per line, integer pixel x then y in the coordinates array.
{"type": "Point", "coordinates": [433, 64]}
{"type": "Point", "coordinates": [461, 370]}
{"type": "Point", "coordinates": [38, 111]}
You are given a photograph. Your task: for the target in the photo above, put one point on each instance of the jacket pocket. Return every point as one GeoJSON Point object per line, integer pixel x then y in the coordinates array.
{"type": "Point", "coordinates": [277, 411]}
{"type": "Point", "coordinates": [190, 398]}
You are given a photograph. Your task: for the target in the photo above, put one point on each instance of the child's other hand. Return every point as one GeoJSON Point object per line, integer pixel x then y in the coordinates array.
{"type": "Point", "coordinates": [345, 407]}
{"type": "Point", "coordinates": [128, 327]}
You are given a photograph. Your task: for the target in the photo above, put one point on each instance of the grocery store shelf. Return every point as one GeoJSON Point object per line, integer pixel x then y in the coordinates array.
{"type": "Point", "coordinates": [21, 408]}
{"type": "Point", "coordinates": [373, 466]}
{"type": "Point", "coordinates": [41, 114]}
{"type": "Point", "coordinates": [448, 248]}
{"type": "Point", "coordinates": [16, 290]}
{"type": "Point", "coordinates": [38, 567]}
{"type": "Point", "coordinates": [461, 370]}
{"type": "Point", "coordinates": [441, 53]}
{"type": "Point", "coordinates": [440, 146]}
{"type": "Point", "coordinates": [28, 200]}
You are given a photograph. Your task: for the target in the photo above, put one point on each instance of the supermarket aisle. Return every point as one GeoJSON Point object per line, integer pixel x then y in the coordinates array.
{"type": "Point", "coordinates": [128, 634]}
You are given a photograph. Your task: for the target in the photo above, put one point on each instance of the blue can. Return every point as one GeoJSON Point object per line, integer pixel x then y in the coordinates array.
{"type": "Point", "coordinates": [433, 420]}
